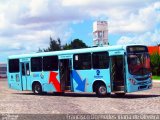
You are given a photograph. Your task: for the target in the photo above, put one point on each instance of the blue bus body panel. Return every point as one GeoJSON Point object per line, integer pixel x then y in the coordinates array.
{"type": "Point", "coordinates": [14, 81]}
{"type": "Point", "coordinates": [44, 78]}
{"type": "Point", "coordinates": [116, 52]}
{"type": "Point", "coordinates": [66, 53]}
{"type": "Point", "coordinates": [138, 85]}
{"type": "Point", "coordinates": [83, 79]}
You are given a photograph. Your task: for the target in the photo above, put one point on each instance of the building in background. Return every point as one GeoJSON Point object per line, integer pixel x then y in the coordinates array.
{"type": "Point", "coordinates": [100, 33]}
{"type": "Point", "coordinates": [3, 70]}
{"type": "Point", "coordinates": [154, 49]}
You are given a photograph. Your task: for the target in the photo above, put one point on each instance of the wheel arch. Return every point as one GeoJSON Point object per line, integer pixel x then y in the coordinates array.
{"type": "Point", "coordinates": [35, 83]}
{"type": "Point", "coordinates": [96, 83]}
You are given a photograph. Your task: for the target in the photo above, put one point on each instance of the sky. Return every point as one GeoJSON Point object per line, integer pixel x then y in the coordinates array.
{"type": "Point", "coordinates": [26, 25]}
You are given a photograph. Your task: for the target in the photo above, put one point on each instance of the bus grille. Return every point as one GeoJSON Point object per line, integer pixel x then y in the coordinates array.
{"type": "Point", "coordinates": [144, 78]}
{"type": "Point", "coordinates": [142, 87]}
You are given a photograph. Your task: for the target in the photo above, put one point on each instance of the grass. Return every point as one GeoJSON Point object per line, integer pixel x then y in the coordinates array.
{"type": "Point", "coordinates": [156, 77]}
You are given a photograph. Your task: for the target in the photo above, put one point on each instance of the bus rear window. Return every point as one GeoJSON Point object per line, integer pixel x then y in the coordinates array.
{"type": "Point", "coordinates": [14, 65]}
{"type": "Point", "coordinates": [82, 61]}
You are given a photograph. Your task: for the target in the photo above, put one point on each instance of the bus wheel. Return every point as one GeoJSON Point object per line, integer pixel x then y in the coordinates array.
{"type": "Point", "coordinates": [37, 88]}
{"type": "Point", "coordinates": [101, 90]}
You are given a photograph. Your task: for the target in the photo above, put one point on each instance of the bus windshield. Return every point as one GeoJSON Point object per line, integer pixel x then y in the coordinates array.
{"type": "Point", "coordinates": [139, 63]}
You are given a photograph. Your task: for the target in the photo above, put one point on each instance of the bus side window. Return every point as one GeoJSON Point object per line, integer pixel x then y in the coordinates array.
{"type": "Point", "coordinates": [36, 64]}
{"type": "Point", "coordinates": [50, 63]}
{"type": "Point", "coordinates": [13, 65]}
{"type": "Point", "coordinates": [100, 60]}
{"type": "Point", "coordinates": [82, 61]}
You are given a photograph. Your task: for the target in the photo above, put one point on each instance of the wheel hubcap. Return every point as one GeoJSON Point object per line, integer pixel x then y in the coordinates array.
{"type": "Point", "coordinates": [37, 89]}
{"type": "Point", "coordinates": [102, 90]}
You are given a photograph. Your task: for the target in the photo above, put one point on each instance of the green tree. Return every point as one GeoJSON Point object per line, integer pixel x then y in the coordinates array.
{"type": "Point", "coordinates": [75, 44]}
{"type": "Point", "coordinates": [155, 63]}
{"type": "Point", "coordinates": [54, 45]}
{"type": "Point", "coordinates": [40, 50]}
{"type": "Point", "coordinates": [67, 47]}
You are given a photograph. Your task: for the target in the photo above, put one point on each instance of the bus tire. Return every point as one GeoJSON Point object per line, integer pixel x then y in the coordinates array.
{"type": "Point", "coordinates": [37, 88]}
{"type": "Point", "coordinates": [101, 90]}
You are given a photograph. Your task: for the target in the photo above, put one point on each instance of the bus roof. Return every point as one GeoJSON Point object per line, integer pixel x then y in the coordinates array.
{"type": "Point", "coordinates": [73, 51]}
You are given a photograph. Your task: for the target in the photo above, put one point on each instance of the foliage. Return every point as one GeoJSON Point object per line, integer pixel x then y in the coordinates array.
{"type": "Point", "coordinates": [55, 45]}
{"type": "Point", "coordinates": [75, 44]}
{"type": "Point", "coordinates": [156, 77]}
{"type": "Point", "coordinates": [155, 63]}
{"type": "Point", "coordinates": [40, 50]}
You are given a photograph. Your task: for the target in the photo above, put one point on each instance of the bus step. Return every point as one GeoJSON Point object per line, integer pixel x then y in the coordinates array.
{"type": "Point", "coordinates": [68, 87]}
{"type": "Point", "coordinates": [118, 91]}
{"type": "Point", "coordinates": [118, 88]}
{"type": "Point", "coordinates": [118, 83]}
{"type": "Point", "coordinates": [68, 91]}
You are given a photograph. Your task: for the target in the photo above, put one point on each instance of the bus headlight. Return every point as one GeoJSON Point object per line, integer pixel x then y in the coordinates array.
{"type": "Point", "coordinates": [150, 76]}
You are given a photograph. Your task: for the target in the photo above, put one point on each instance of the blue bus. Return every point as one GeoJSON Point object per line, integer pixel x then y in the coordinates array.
{"type": "Point", "coordinates": [104, 70]}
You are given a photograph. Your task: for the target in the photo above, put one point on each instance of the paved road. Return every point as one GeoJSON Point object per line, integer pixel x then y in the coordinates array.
{"type": "Point", "coordinates": [20, 102]}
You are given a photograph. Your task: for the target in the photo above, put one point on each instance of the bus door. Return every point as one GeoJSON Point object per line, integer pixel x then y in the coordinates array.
{"type": "Point", "coordinates": [65, 70]}
{"type": "Point", "coordinates": [117, 68]}
{"type": "Point", "coordinates": [25, 75]}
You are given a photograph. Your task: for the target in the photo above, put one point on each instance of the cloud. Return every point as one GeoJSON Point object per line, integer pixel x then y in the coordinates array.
{"type": "Point", "coordinates": [147, 38]}
{"type": "Point", "coordinates": [123, 15]}
{"type": "Point", "coordinates": [49, 11]}
{"type": "Point", "coordinates": [26, 25]}
{"type": "Point", "coordinates": [38, 7]}
{"type": "Point", "coordinates": [31, 22]}
{"type": "Point", "coordinates": [135, 21]}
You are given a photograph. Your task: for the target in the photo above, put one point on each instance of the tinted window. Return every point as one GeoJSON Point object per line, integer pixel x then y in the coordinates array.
{"type": "Point", "coordinates": [36, 64]}
{"type": "Point", "coordinates": [27, 69]}
{"type": "Point", "coordinates": [82, 61]}
{"type": "Point", "coordinates": [100, 60]}
{"type": "Point", "coordinates": [50, 63]}
{"type": "Point", "coordinates": [14, 65]}
{"type": "Point", "coordinates": [139, 64]}
{"type": "Point", "coordinates": [23, 69]}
